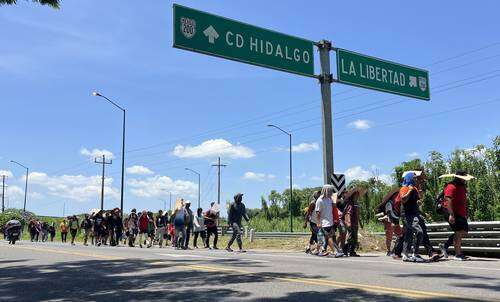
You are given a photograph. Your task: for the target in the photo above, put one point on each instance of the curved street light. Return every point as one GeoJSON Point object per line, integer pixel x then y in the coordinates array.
{"type": "Point", "coordinates": [291, 181]}
{"type": "Point", "coordinates": [95, 93]}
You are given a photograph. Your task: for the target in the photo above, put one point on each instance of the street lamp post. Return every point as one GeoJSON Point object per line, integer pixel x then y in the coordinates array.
{"type": "Point", "coordinates": [25, 185]}
{"type": "Point", "coordinates": [198, 184]}
{"type": "Point", "coordinates": [95, 93]}
{"type": "Point", "coordinates": [291, 181]}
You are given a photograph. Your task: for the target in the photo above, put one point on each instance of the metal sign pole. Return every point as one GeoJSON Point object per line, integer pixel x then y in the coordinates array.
{"type": "Point", "coordinates": [326, 80]}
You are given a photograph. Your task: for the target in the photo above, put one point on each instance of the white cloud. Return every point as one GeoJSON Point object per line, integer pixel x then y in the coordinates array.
{"type": "Point", "coordinates": [257, 176]}
{"type": "Point", "coordinates": [96, 153]}
{"type": "Point", "coordinates": [159, 186]}
{"type": "Point", "coordinates": [139, 170]}
{"type": "Point", "coordinates": [213, 148]}
{"type": "Point", "coordinates": [413, 154]}
{"type": "Point", "coordinates": [358, 173]}
{"type": "Point", "coordinates": [6, 173]}
{"type": "Point", "coordinates": [75, 187]}
{"type": "Point", "coordinates": [316, 178]}
{"type": "Point", "coordinates": [305, 147]}
{"type": "Point", "coordinates": [14, 192]}
{"type": "Point", "coordinates": [361, 124]}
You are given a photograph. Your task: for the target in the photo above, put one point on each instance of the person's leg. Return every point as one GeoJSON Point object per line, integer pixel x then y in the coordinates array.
{"type": "Point", "coordinates": [238, 229]}
{"type": "Point", "coordinates": [162, 234]}
{"type": "Point", "coordinates": [203, 237]}
{"type": "Point", "coordinates": [188, 236]}
{"type": "Point", "coordinates": [216, 236]}
{"type": "Point", "coordinates": [389, 232]}
{"type": "Point", "coordinates": [195, 239]}
{"type": "Point", "coordinates": [233, 237]}
{"type": "Point", "coordinates": [183, 242]}
{"type": "Point", "coordinates": [140, 238]}
{"type": "Point", "coordinates": [425, 238]}
{"type": "Point", "coordinates": [458, 242]}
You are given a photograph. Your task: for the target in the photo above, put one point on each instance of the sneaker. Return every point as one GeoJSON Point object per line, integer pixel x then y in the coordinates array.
{"type": "Point", "coordinates": [353, 254]}
{"type": "Point", "coordinates": [323, 254]}
{"type": "Point", "coordinates": [418, 258]}
{"type": "Point", "coordinates": [308, 250]}
{"type": "Point", "coordinates": [444, 252]}
{"type": "Point", "coordinates": [389, 254]}
{"type": "Point", "coordinates": [339, 254]}
{"type": "Point", "coordinates": [435, 257]}
{"type": "Point", "coordinates": [215, 248]}
{"type": "Point", "coordinates": [460, 257]}
{"type": "Point", "coordinates": [229, 249]}
{"type": "Point", "coordinates": [406, 258]}
{"type": "Point", "coordinates": [242, 251]}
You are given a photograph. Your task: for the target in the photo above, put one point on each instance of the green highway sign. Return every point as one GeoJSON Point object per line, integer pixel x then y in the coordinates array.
{"type": "Point", "coordinates": [221, 37]}
{"type": "Point", "coordinates": [373, 73]}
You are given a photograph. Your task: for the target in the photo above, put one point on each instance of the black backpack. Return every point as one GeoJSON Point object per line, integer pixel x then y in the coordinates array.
{"type": "Point", "coordinates": [439, 202]}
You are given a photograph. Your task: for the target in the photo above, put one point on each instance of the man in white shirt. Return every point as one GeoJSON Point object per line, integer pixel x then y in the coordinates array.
{"type": "Point", "coordinates": [325, 208]}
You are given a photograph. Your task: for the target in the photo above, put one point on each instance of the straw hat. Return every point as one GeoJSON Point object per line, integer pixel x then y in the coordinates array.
{"type": "Point", "coordinates": [360, 190]}
{"type": "Point", "coordinates": [459, 174]}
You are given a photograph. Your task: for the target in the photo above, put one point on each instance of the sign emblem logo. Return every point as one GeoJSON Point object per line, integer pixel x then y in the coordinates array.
{"type": "Point", "coordinates": [422, 83]}
{"type": "Point", "coordinates": [188, 27]}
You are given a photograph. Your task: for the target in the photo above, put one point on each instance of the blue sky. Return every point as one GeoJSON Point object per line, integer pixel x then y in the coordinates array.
{"type": "Point", "coordinates": [184, 108]}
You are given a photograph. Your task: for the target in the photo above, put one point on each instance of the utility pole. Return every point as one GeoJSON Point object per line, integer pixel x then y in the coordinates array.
{"type": "Point", "coordinates": [170, 204]}
{"type": "Point", "coordinates": [64, 209]}
{"type": "Point", "coordinates": [218, 165]}
{"type": "Point", "coordinates": [3, 193]}
{"type": "Point", "coordinates": [26, 183]}
{"type": "Point", "coordinates": [326, 80]}
{"type": "Point", "coordinates": [104, 163]}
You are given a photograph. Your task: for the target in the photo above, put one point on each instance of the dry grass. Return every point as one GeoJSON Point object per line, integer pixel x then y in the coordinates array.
{"type": "Point", "coordinates": [367, 243]}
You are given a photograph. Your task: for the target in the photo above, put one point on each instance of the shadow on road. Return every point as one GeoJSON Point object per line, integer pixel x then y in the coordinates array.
{"type": "Point", "coordinates": [161, 280]}
{"type": "Point", "coordinates": [443, 275]}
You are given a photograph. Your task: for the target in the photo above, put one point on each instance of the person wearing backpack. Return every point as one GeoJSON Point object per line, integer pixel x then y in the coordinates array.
{"type": "Point", "coordinates": [179, 221]}
{"type": "Point", "coordinates": [143, 227]}
{"type": "Point", "coordinates": [388, 212]}
{"type": "Point", "coordinates": [455, 212]}
{"type": "Point", "coordinates": [188, 222]}
{"type": "Point", "coordinates": [237, 211]}
{"type": "Point", "coordinates": [311, 219]}
{"type": "Point", "coordinates": [86, 226]}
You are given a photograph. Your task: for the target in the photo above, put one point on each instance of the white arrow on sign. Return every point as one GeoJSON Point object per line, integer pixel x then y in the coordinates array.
{"type": "Point", "coordinates": [211, 34]}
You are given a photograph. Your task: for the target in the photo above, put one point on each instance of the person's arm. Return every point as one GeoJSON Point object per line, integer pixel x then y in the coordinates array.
{"type": "Point", "coordinates": [317, 209]}
{"type": "Point", "coordinates": [347, 215]}
{"type": "Point", "coordinates": [245, 213]}
{"type": "Point", "coordinates": [449, 207]}
{"type": "Point", "coordinates": [448, 193]}
{"type": "Point", "coordinates": [196, 222]}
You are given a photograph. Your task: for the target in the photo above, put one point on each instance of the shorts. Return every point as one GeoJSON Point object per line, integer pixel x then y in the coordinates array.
{"type": "Point", "coordinates": [460, 224]}
{"type": "Point", "coordinates": [329, 232]}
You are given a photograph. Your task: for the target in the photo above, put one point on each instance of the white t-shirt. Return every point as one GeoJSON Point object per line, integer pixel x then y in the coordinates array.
{"type": "Point", "coordinates": [325, 209]}
{"type": "Point", "coordinates": [313, 217]}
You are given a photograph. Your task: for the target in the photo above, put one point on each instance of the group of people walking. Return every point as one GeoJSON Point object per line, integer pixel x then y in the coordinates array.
{"type": "Point", "coordinates": [147, 228]}
{"type": "Point", "coordinates": [330, 213]}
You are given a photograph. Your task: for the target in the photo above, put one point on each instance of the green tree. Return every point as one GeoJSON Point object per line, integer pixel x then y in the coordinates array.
{"type": "Point", "coordinates": [51, 3]}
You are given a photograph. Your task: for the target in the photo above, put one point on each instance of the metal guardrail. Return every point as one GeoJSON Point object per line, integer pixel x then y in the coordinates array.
{"type": "Point", "coordinates": [483, 236]}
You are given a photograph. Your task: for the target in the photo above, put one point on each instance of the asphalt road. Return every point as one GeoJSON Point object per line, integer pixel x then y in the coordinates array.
{"type": "Point", "coordinates": [61, 272]}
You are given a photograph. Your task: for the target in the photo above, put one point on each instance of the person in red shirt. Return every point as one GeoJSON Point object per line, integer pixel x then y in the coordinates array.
{"type": "Point", "coordinates": [455, 203]}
